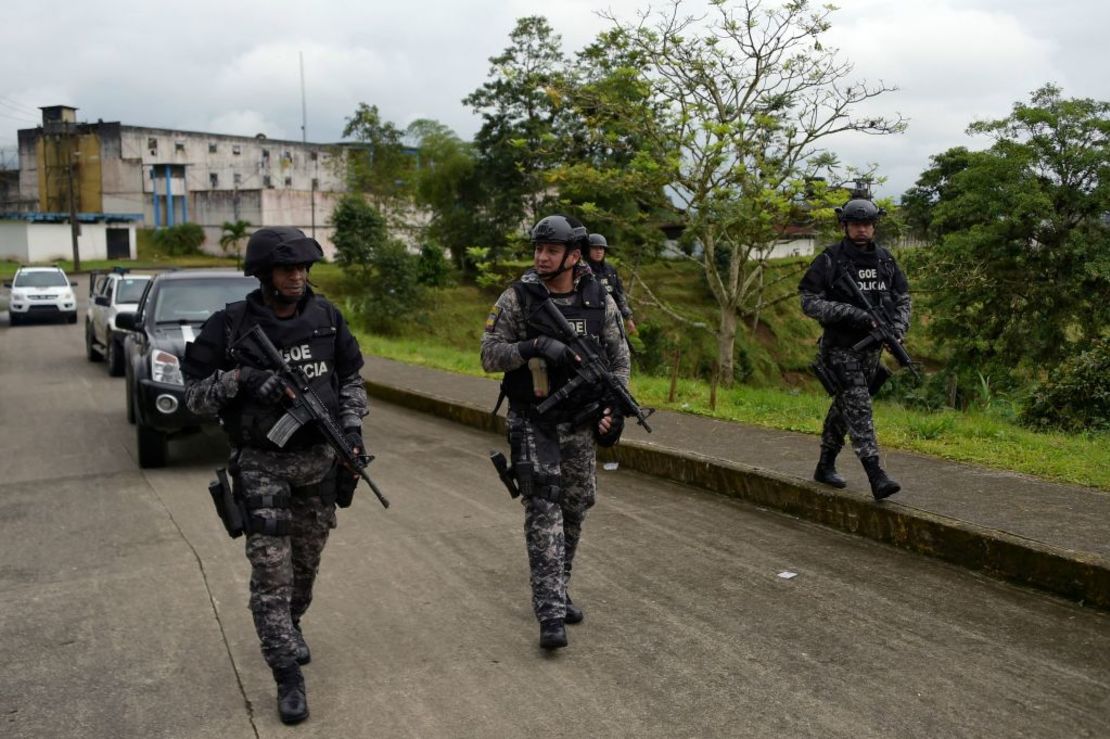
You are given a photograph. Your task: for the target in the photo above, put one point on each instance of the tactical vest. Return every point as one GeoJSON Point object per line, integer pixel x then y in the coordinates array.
{"type": "Point", "coordinates": [604, 274]}
{"type": "Point", "coordinates": [308, 342]}
{"type": "Point", "coordinates": [874, 273]}
{"type": "Point", "coordinates": [586, 314]}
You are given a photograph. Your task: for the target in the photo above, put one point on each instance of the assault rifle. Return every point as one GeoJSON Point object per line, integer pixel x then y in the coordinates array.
{"type": "Point", "coordinates": [882, 335]}
{"type": "Point", "coordinates": [593, 370]}
{"type": "Point", "coordinates": [306, 407]}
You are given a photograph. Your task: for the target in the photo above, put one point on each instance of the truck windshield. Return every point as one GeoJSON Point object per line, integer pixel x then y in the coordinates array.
{"type": "Point", "coordinates": [130, 289]}
{"type": "Point", "coordinates": [193, 301]}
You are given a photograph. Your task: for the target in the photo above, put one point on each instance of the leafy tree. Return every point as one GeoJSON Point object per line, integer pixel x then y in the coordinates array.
{"type": "Point", "coordinates": [381, 168]}
{"type": "Point", "coordinates": [446, 185]}
{"type": "Point", "coordinates": [359, 231]}
{"type": "Point", "coordinates": [520, 117]}
{"type": "Point", "coordinates": [392, 290]}
{"type": "Point", "coordinates": [1018, 279]}
{"type": "Point", "coordinates": [749, 96]}
{"type": "Point", "coordinates": [233, 235]}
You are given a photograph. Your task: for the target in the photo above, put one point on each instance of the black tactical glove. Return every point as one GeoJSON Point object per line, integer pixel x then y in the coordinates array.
{"type": "Point", "coordinates": [861, 318]}
{"type": "Point", "coordinates": [354, 439]}
{"type": "Point", "coordinates": [616, 427]}
{"type": "Point", "coordinates": [265, 385]}
{"type": "Point", "coordinates": [553, 350]}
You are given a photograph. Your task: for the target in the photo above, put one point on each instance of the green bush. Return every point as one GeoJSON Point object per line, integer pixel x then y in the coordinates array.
{"type": "Point", "coordinates": [1076, 395]}
{"type": "Point", "coordinates": [392, 292]}
{"type": "Point", "coordinates": [359, 231]}
{"type": "Point", "coordinates": [181, 240]}
{"type": "Point", "coordinates": [432, 268]}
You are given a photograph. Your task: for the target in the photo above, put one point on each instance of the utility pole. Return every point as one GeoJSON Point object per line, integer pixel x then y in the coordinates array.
{"type": "Point", "coordinates": [71, 162]}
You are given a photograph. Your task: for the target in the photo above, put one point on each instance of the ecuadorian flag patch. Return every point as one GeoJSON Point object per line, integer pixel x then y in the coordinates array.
{"type": "Point", "coordinates": [491, 319]}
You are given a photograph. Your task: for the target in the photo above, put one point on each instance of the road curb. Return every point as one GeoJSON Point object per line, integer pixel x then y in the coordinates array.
{"type": "Point", "coordinates": [1075, 575]}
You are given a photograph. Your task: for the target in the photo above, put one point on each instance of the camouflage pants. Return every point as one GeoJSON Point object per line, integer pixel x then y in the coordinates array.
{"type": "Point", "coordinates": [283, 568]}
{"type": "Point", "coordinates": [567, 458]}
{"type": "Point", "coordinates": [850, 412]}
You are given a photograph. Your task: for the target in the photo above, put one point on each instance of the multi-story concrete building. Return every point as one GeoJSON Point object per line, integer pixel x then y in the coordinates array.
{"type": "Point", "coordinates": [160, 177]}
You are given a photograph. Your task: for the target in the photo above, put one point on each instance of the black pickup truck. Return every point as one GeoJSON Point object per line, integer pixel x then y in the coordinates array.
{"type": "Point", "coordinates": [169, 316]}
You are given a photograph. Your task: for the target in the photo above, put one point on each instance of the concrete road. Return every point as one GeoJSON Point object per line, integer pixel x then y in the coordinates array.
{"type": "Point", "coordinates": [123, 610]}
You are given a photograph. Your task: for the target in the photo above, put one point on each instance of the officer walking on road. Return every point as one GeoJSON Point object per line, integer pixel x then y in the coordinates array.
{"type": "Point", "coordinates": [846, 323]}
{"type": "Point", "coordinates": [554, 455]}
{"type": "Point", "coordinates": [606, 274]}
{"type": "Point", "coordinates": [290, 492]}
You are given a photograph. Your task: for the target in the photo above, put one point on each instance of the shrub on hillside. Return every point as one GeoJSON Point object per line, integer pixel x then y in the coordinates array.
{"type": "Point", "coordinates": [1076, 395]}
{"type": "Point", "coordinates": [178, 241]}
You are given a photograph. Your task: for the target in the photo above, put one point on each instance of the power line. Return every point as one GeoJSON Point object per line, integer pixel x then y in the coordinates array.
{"type": "Point", "coordinates": [8, 102]}
{"type": "Point", "coordinates": [18, 118]}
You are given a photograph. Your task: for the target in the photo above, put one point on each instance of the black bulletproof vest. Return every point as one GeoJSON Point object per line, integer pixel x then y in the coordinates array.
{"type": "Point", "coordinates": [873, 272]}
{"type": "Point", "coordinates": [604, 273]}
{"type": "Point", "coordinates": [586, 314]}
{"type": "Point", "coordinates": [308, 342]}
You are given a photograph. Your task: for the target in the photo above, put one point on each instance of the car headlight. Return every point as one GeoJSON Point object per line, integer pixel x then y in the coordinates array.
{"type": "Point", "coordinates": [67, 295]}
{"type": "Point", "coordinates": [166, 368]}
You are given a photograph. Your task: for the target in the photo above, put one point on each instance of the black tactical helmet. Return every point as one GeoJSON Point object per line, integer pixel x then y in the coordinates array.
{"type": "Point", "coordinates": [859, 211]}
{"type": "Point", "coordinates": [279, 245]}
{"type": "Point", "coordinates": [560, 230]}
{"type": "Point", "coordinates": [598, 240]}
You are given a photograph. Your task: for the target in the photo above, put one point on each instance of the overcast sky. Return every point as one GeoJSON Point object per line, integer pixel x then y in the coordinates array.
{"type": "Point", "coordinates": [232, 67]}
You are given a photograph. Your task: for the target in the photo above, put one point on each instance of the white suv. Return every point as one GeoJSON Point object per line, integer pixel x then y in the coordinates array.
{"type": "Point", "coordinates": [41, 291]}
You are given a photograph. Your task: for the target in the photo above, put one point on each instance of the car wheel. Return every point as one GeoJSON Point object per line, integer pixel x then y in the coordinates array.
{"type": "Point", "coordinates": [153, 447]}
{"type": "Point", "coordinates": [130, 404]}
{"type": "Point", "coordinates": [13, 319]}
{"type": "Point", "coordinates": [91, 351]}
{"type": "Point", "coordinates": [115, 358]}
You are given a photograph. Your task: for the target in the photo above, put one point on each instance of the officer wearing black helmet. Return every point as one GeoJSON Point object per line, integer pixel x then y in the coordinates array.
{"type": "Point", "coordinates": [554, 455]}
{"type": "Point", "coordinates": [845, 323]}
{"type": "Point", "coordinates": [607, 275]}
{"type": "Point", "coordinates": [289, 492]}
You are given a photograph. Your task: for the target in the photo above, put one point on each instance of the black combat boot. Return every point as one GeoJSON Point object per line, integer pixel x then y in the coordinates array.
{"type": "Point", "coordinates": [553, 634]}
{"type": "Point", "coordinates": [574, 613]}
{"type": "Point", "coordinates": [300, 646]}
{"type": "Point", "coordinates": [881, 485]}
{"type": "Point", "coordinates": [826, 469]}
{"type": "Point", "coordinates": [292, 701]}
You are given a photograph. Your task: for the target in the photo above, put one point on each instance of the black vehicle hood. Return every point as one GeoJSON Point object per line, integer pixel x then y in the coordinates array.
{"type": "Point", "coordinates": [172, 338]}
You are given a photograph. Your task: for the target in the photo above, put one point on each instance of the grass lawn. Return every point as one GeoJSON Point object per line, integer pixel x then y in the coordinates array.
{"type": "Point", "coordinates": [975, 437]}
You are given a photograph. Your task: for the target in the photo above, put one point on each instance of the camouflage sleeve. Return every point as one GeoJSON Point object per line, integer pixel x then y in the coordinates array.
{"type": "Point", "coordinates": [622, 299]}
{"type": "Point", "coordinates": [353, 403]}
{"type": "Point", "coordinates": [206, 396]}
{"type": "Point", "coordinates": [505, 328]}
{"type": "Point", "coordinates": [816, 304]}
{"type": "Point", "coordinates": [616, 348]}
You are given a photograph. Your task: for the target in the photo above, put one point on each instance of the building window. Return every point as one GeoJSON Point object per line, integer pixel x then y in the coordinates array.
{"type": "Point", "coordinates": [237, 179]}
{"type": "Point", "coordinates": [312, 156]}
{"type": "Point", "coordinates": [266, 181]}
{"type": "Point", "coordinates": [213, 180]}
{"type": "Point", "coordinates": [288, 181]}
{"type": "Point", "coordinates": [211, 148]}
{"type": "Point", "coordinates": [235, 149]}
{"type": "Point", "coordinates": [152, 144]}
{"type": "Point", "coordinates": [179, 146]}
{"type": "Point", "coordinates": [265, 153]}
{"type": "Point", "coordinates": [287, 156]}
{"type": "Point", "coordinates": [315, 184]}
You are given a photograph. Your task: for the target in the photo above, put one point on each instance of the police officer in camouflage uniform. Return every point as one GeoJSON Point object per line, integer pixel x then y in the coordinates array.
{"type": "Point", "coordinates": [607, 275]}
{"type": "Point", "coordinates": [290, 492]}
{"type": "Point", "coordinates": [846, 323]}
{"type": "Point", "coordinates": [554, 455]}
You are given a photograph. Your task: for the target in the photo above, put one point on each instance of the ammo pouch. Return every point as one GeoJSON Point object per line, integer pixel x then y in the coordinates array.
{"type": "Point", "coordinates": [344, 486]}
{"type": "Point", "coordinates": [530, 483]}
{"type": "Point", "coordinates": [325, 489]}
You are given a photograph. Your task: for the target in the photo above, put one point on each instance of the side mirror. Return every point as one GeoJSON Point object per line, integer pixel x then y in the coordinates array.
{"type": "Point", "coordinates": [125, 320]}
{"type": "Point", "coordinates": [72, 283]}
{"type": "Point", "coordinates": [102, 300]}
{"type": "Point", "coordinates": [7, 284]}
